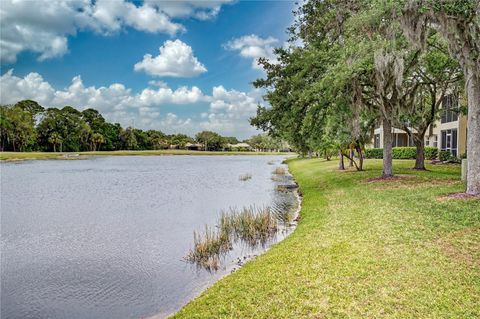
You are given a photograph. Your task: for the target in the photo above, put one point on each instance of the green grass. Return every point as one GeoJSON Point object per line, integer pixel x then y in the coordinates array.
{"type": "Point", "coordinates": [383, 249]}
{"type": "Point", "coordinates": [15, 156]}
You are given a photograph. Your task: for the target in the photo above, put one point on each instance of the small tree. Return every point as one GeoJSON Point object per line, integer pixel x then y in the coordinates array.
{"type": "Point", "coordinates": [55, 139]}
{"type": "Point", "coordinates": [97, 140]}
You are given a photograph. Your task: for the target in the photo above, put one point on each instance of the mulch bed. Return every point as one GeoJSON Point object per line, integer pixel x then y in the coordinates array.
{"type": "Point", "coordinates": [458, 196]}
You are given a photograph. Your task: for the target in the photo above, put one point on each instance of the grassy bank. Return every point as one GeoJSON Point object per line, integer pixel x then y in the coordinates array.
{"type": "Point", "coordinates": [12, 156]}
{"type": "Point", "coordinates": [363, 249]}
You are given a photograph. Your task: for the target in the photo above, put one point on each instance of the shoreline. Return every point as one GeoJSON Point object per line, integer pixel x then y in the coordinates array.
{"type": "Point", "coordinates": [23, 156]}
{"type": "Point", "coordinates": [234, 267]}
{"type": "Point", "coordinates": [333, 252]}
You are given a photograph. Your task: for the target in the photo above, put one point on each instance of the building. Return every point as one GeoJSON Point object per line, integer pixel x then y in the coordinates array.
{"type": "Point", "coordinates": [194, 147]}
{"type": "Point", "coordinates": [448, 133]}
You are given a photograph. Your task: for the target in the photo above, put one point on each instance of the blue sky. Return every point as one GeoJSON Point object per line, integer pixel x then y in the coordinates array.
{"type": "Point", "coordinates": [210, 49]}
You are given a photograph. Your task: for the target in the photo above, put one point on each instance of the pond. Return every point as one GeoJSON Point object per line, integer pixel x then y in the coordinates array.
{"type": "Point", "coordinates": [106, 237]}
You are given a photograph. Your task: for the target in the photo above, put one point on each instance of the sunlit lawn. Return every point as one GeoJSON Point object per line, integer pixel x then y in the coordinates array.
{"type": "Point", "coordinates": [389, 249]}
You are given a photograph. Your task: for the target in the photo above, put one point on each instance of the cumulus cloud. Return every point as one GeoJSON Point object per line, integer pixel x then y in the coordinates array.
{"type": "Point", "coordinates": [202, 10]}
{"type": "Point", "coordinates": [253, 47]}
{"type": "Point", "coordinates": [43, 26]}
{"type": "Point", "coordinates": [175, 59]}
{"type": "Point", "coordinates": [228, 110]}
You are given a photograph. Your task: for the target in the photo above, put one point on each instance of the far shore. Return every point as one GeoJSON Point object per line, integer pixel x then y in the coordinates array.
{"type": "Point", "coordinates": [19, 156]}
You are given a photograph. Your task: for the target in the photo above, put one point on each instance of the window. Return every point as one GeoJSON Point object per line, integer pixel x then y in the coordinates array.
{"type": "Point", "coordinates": [400, 140]}
{"type": "Point", "coordinates": [427, 141]}
{"type": "Point", "coordinates": [435, 140]}
{"type": "Point", "coordinates": [376, 141]}
{"type": "Point", "coordinates": [449, 141]}
{"type": "Point", "coordinates": [449, 109]}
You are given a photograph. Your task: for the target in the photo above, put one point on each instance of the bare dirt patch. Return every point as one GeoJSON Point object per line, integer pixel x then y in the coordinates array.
{"type": "Point", "coordinates": [461, 196]}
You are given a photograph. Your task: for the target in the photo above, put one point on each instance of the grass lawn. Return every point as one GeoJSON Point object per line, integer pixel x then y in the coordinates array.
{"type": "Point", "coordinates": [378, 249]}
{"type": "Point", "coordinates": [15, 156]}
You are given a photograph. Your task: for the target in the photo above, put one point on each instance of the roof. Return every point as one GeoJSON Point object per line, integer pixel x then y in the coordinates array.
{"type": "Point", "coordinates": [239, 145]}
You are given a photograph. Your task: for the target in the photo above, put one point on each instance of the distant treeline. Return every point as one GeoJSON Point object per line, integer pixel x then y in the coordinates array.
{"type": "Point", "coordinates": [27, 126]}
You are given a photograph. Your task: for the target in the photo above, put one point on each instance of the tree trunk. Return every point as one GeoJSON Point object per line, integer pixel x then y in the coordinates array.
{"type": "Point", "coordinates": [420, 155]}
{"type": "Point", "coordinates": [351, 157]}
{"type": "Point", "coordinates": [387, 148]}
{"type": "Point", "coordinates": [360, 158]}
{"type": "Point", "coordinates": [473, 142]}
{"type": "Point", "coordinates": [54, 148]}
{"type": "Point", "coordinates": [341, 165]}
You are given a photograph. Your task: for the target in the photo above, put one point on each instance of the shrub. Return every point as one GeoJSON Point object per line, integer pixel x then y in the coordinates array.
{"type": "Point", "coordinates": [374, 153]}
{"type": "Point", "coordinates": [431, 153]}
{"type": "Point", "coordinates": [402, 153]}
{"type": "Point", "coordinates": [444, 156]}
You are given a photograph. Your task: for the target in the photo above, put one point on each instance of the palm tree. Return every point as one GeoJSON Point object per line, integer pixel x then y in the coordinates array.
{"type": "Point", "coordinates": [97, 139]}
{"type": "Point", "coordinates": [55, 139]}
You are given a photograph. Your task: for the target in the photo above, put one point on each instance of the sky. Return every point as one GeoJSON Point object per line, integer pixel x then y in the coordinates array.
{"type": "Point", "coordinates": [176, 66]}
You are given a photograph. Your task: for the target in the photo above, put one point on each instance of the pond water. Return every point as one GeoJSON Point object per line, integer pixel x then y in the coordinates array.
{"type": "Point", "coordinates": [105, 237]}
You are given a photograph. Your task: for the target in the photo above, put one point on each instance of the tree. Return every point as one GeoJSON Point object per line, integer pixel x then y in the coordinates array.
{"type": "Point", "coordinates": [437, 74]}
{"type": "Point", "coordinates": [211, 140]}
{"type": "Point", "coordinates": [31, 107]}
{"type": "Point", "coordinates": [68, 123]}
{"type": "Point", "coordinates": [128, 138]}
{"type": "Point", "coordinates": [180, 140]}
{"type": "Point", "coordinates": [17, 128]}
{"type": "Point", "coordinates": [458, 21]}
{"type": "Point", "coordinates": [55, 139]}
{"type": "Point", "coordinates": [97, 140]}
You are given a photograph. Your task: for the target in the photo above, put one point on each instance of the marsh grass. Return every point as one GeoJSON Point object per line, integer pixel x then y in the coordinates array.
{"type": "Point", "coordinates": [280, 171]}
{"type": "Point", "coordinates": [251, 225]}
{"type": "Point", "coordinates": [208, 247]}
{"type": "Point", "coordinates": [245, 177]}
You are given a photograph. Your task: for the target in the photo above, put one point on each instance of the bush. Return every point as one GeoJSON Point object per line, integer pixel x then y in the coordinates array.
{"type": "Point", "coordinates": [444, 156]}
{"type": "Point", "coordinates": [431, 153]}
{"type": "Point", "coordinates": [374, 153]}
{"type": "Point", "coordinates": [402, 153]}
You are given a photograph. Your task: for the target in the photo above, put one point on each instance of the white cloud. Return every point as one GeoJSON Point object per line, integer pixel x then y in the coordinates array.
{"type": "Point", "coordinates": [253, 47]}
{"type": "Point", "coordinates": [176, 59]}
{"type": "Point", "coordinates": [202, 10]}
{"type": "Point", "coordinates": [228, 110]}
{"type": "Point", "coordinates": [43, 26]}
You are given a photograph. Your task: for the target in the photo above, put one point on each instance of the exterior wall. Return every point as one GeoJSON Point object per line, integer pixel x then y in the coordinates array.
{"type": "Point", "coordinates": [433, 133]}
{"type": "Point", "coordinates": [462, 135]}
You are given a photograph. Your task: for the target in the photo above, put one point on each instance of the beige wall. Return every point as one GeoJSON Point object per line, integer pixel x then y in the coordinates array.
{"type": "Point", "coordinates": [460, 125]}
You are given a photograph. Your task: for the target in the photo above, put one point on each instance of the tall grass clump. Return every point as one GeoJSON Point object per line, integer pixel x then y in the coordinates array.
{"type": "Point", "coordinates": [245, 177]}
{"type": "Point", "coordinates": [208, 247]}
{"type": "Point", "coordinates": [254, 225]}
{"type": "Point", "coordinates": [280, 171]}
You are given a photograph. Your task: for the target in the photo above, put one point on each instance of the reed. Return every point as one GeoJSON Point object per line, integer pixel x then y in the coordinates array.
{"type": "Point", "coordinates": [208, 247]}
{"type": "Point", "coordinates": [245, 177]}
{"type": "Point", "coordinates": [252, 225]}
{"type": "Point", "coordinates": [280, 171]}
